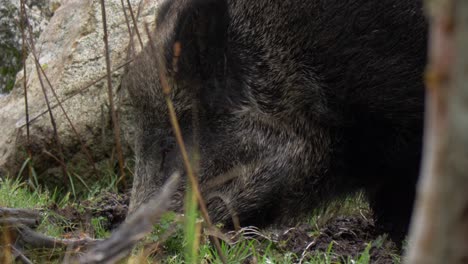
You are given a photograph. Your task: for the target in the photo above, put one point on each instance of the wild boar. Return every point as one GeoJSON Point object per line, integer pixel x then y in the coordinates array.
{"type": "Point", "coordinates": [291, 102]}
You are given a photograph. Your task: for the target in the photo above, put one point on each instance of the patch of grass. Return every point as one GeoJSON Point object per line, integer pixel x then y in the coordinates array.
{"type": "Point", "coordinates": [51, 229]}
{"type": "Point", "coordinates": [98, 224]}
{"type": "Point", "coordinates": [192, 227]}
{"type": "Point", "coordinates": [170, 232]}
{"type": "Point", "coordinates": [17, 194]}
{"type": "Point", "coordinates": [329, 257]}
{"type": "Point", "coordinates": [326, 257]}
{"type": "Point", "coordinates": [175, 239]}
{"type": "Point", "coordinates": [86, 187]}
{"type": "Point", "coordinates": [82, 184]}
{"type": "Point", "coordinates": [239, 252]}
{"type": "Point", "coordinates": [353, 205]}
{"type": "Point", "coordinates": [173, 243]}
{"type": "Point", "coordinates": [364, 258]}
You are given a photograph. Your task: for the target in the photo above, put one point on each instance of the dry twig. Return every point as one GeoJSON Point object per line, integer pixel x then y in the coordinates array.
{"type": "Point", "coordinates": [115, 120]}
{"type": "Point", "coordinates": [134, 229]}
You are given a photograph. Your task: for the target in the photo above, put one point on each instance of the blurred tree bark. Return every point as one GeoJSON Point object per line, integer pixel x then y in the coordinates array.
{"type": "Point", "coordinates": [439, 231]}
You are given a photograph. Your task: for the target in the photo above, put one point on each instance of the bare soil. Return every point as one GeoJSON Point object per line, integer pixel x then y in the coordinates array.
{"type": "Point", "coordinates": [348, 236]}
{"type": "Point", "coordinates": [110, 207]}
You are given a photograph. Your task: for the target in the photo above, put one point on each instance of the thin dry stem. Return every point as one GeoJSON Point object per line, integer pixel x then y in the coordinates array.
{"type": "Point", "coordinates": [115, 120]}
{"type": "Point", "coordinates": [83, 145]}
{"type": "Point", "coordinates": [86, 87]}
{"type": "Point", "coordinates": [137, 226]}
{"type": "Point", "coordinates": [20, 255]}
{"type": "Point", "coordinates": [180, 141]}
{"type": "Point", "coordinates": [127, 22]}
{"type": "Point", "coordinates": [135, 26]}
{"type": "Point", "coordinates": [24, 54]}
{"type": "Point", "coordinates": [46, 98]}
{"type": "Point", "coordinates": [36, 240]}
{"type": "Point", "coordinates": [25, 86]}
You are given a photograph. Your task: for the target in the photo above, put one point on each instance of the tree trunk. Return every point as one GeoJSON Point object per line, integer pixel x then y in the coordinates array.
{"type": "Point", "coordinates": [439, 231]}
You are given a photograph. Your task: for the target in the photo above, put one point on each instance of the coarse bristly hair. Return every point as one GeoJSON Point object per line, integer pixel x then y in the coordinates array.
{"type": "Point", "coordinates": [287, 104]}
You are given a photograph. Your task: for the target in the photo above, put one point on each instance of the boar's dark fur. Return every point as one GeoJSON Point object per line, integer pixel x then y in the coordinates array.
{"type": "Point", "coordinates": [291, 102]}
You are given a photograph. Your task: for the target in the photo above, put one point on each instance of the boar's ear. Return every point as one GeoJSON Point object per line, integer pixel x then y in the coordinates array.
{"type": "Point", "coordinates": [199, 27]}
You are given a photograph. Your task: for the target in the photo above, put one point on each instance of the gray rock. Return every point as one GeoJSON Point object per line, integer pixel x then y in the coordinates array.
{"type": "Point", "coordinates": [71, 52]}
